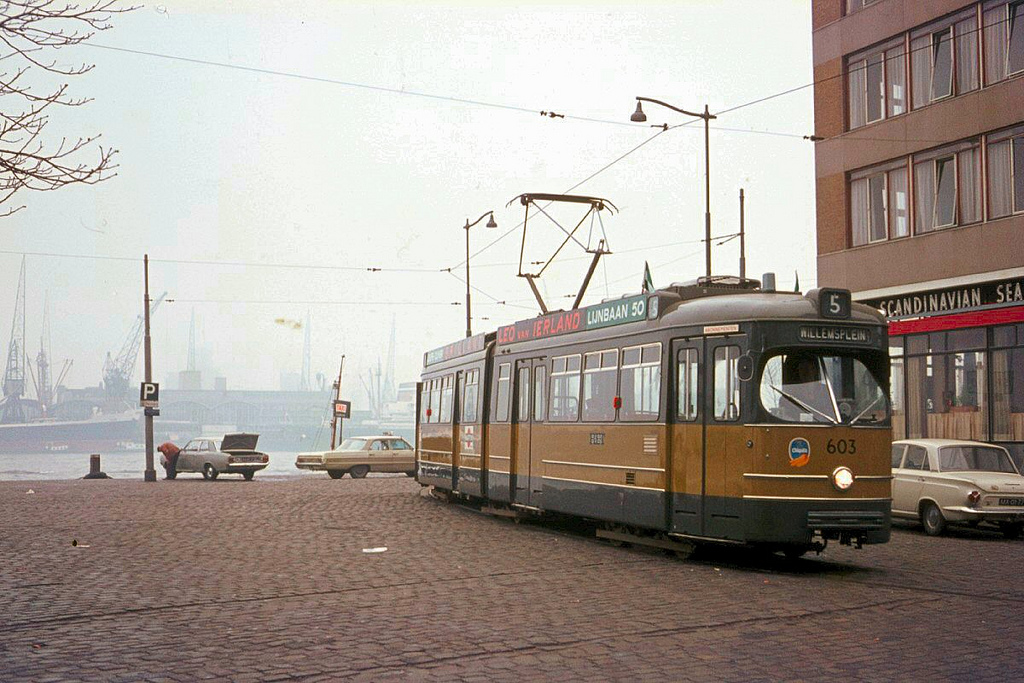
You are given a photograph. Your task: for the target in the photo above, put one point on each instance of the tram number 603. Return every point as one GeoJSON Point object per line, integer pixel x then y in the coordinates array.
{"type": "Point", "coordinates": [841, 446]}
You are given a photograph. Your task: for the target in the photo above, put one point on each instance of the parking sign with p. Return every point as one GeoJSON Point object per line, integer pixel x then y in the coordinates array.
{"type": "Point", "coordinates": [149, 395]}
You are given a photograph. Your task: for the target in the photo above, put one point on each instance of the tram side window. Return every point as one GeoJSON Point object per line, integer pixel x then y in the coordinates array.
{"type": "Point", "coordinates": [446, 398]}
{"type": "Point", "coordinates": [641, 383]}
{"type": "Point", "coordinates": [565, 389]}
{"type": "Point", "coordinates": [687, 374]}
{"type": "Point", "coordinates": [538, 394]}
{"type": "Point", "coordinates": [599, 371]}
{"type": "Point", "coordinates": [727, 384]}
{"type": "Point", "coordinates": [523, 389]}
{"type": "Point", "coordinates": [435, 400]}
{"type": "Point", "coordinates": [504, 374]}
{"type": "Point", "coordinates": [470, 395]}
{"type": "Point", "coordinates": [424, 402]}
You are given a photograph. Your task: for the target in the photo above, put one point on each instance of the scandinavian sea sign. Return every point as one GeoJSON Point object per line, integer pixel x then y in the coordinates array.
{"type": "Point", "coordinates": [628, 310]}
{"type": "Point", "coordinates": [799, 452]}
{"type": "Point", "coordinates": [995, 294]}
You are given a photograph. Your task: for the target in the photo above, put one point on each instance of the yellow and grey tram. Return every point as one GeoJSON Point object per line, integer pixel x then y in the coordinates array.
{"type": "Point", "coordinates": [711, 411]}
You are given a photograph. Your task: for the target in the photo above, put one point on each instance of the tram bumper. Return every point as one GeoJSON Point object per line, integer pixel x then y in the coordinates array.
{"type": "Point", "coordinates": [804, 521]}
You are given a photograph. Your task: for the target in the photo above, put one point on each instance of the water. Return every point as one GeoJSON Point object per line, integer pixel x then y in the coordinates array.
{"type": "Point", "coordinates": [120, 465]}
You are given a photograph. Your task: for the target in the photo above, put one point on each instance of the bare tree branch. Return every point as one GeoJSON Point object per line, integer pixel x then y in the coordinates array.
{"type": "Point", "coordinates": [29, 30]}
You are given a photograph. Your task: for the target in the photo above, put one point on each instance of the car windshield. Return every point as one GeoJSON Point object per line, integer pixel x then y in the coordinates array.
{"type": "Point", "coordinates": [829, 389]}
{"type": "Point", "coordinates": [975, 459]}
{"type": "Point", "coordinates": [352, 445]}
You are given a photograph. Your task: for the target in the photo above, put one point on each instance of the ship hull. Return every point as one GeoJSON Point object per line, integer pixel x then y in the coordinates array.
{"type": "Point", "coordinates": [99, 434]}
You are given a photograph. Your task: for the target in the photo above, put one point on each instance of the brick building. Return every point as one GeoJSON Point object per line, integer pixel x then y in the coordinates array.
{"type": "Point", "coordinates": [920, 199]}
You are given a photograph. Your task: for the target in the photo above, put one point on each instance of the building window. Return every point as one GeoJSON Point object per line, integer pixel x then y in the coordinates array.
{"type": "Point", "coordinates": [938, 53]}
{"type": "Point", "coordinates": [1004, 41]}
{"type": "Point", "coordinates": [565, 389]}
{"type": "Point", "coordinates": [599, 371]}
{"type": "Point", "coordinates": [641, 383]}
{"type": "Point", "coordinates": [877, 86]}
{"type": "Point", "coordinates": [947, 189]}
{"type": "Point", "coordinates": [879, 206]}
{"type": "Point", "coordinates": [857, 5]}
{"type": "Point", "coordinates": [897, 392]}
{"type": "Point", "coordinates": [946, 392]}
{"type": "Point", "coordinates": [1006, 174]}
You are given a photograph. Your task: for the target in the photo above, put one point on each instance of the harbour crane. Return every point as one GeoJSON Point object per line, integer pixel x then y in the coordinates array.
{"type": "Point", "coordinates": [118, 371]}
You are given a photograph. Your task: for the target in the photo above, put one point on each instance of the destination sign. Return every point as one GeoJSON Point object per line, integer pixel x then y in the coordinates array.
{"type": "Point", "coordinates": [463, 347]}
{"type": "Point", "coordinates": [835, 334]}
{"type": "Point", "coordinates": [629, 310]}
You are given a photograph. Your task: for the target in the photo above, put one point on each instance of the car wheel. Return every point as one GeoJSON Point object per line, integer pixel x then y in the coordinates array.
{"type": "Point", "coordinates": [248, 475]}
{"type": "Point", "coordinates": [932, 519]}
{"type": "Point", "coordinates": [1011, 530]}
{"type": "Point", "coordinates": [359, 471]}
{"type": "Point", "coordinates": [210, 472]}
{"type": "Point", "coordinates": [336, 474]}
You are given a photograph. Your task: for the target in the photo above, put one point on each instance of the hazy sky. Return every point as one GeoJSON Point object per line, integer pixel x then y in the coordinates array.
{"type": "Point", "coordinates": [245, 168]}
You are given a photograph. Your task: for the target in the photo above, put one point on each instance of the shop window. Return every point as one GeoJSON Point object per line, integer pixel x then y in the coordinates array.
{"type": "Point", "coordinates": [565, 389]}
{"type": "Point", "coordinates": [1008, 394]}
{"type": "Point", "coordinates": [946, 396]}
{"type": "Point", "coordinates": [599, 371]}
{"type": "Point", "coordinates": [640, 382]}
{"type": "Point", "coordinates": [1007, 335]}
{"type": "Point", "coordinates": [897, 391]}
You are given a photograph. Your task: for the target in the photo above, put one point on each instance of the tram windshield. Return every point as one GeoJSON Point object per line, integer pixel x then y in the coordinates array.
{"type": "Point", "coordinates": [829, 389]}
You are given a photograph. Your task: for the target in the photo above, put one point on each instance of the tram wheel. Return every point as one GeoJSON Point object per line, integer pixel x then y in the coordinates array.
{"type": "Point", "coordinates": [618, 528]}
{"type": "Point", "coordinates": [795, 552]}
{"type": "Point", "coordinates": [932, 520]}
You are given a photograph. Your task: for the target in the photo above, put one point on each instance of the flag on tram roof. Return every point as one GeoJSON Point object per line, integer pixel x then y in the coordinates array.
{"type": "Point", "coordinates": [796, 287]}
{"type": "Point", "coordinates": [648, 284]}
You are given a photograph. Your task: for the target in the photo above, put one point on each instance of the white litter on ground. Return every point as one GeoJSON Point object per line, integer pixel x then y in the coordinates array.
{"type": "Point", "coordinates": [375, 550]}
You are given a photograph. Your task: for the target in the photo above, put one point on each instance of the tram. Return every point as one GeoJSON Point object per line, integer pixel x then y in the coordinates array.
{"type": "Point", "coordinates": [714, 411]}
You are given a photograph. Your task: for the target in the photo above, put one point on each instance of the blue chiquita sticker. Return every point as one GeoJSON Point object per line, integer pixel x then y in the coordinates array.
{"type": "Point", "coordinates": [799, 452]}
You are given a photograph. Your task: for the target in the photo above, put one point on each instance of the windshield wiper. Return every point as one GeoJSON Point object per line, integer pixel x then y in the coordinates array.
{"type": "Point", "coordinates": [864, 412]}
{"type": "Point", "coordinates": [801, 404]}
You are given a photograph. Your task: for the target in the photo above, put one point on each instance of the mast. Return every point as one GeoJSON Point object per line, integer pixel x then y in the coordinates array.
{"type": "Point", "coordinates": [14, 373]}
{"type": "Point", "coordinates": [337, 397]}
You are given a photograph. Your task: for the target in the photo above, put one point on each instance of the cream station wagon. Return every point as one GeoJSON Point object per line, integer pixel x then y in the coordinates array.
{"type": "Point", "coordinates": [942, 481]}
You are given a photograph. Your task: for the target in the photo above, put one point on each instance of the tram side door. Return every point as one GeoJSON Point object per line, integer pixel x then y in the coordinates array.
{"type": "Point", "coordinates": [723, 433]}
{"type": "Point", "coordinates": [457, 389]}
{"type": "Point", "coordinates": [687, 456]}
{"type": "Point", "coordinates": [522, 432]}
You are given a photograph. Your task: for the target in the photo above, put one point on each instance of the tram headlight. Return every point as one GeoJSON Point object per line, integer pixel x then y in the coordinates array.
{"type": "Point", "coordinates": [842, 478]}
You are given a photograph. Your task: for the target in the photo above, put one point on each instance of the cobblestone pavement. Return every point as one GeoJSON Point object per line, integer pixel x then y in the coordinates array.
{"type": "Point", "coordinates": [267, 580]}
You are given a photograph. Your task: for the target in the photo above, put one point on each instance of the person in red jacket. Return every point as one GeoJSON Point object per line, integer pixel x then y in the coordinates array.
{"type": "Point", "coordinates": [170, 452]}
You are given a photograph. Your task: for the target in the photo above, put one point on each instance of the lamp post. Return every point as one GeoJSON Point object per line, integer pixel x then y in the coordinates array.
{"type": "Point", "coordinates": [639, 117]}
{"type": "Point", "coordinates": [490, 224]}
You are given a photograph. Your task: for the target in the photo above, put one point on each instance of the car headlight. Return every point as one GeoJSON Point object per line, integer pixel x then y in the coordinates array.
{"type": "Point", "coordinates": [842, 478]}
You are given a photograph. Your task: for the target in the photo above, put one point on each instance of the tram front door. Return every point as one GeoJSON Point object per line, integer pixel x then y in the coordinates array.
{"type": "Point", "coordinates": [528, 409]}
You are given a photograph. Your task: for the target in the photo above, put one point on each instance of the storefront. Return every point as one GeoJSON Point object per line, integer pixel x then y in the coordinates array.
{"type": "Point", "coordinates": [958, 361]}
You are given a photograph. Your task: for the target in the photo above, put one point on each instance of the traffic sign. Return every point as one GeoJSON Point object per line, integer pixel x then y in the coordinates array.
{"type": "Point", "coordinates": [343, 409]}
{"type": "Point", "coordinates": [149, 395]}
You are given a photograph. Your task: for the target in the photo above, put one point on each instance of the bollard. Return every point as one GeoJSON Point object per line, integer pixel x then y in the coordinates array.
{"type": "Point", "coordinates": [94, 468]}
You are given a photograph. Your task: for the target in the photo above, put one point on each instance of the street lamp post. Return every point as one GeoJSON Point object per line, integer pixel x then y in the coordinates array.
{"type": "Point", "coordinates": [490, 224]}
{"type": "Point", "coordinates": [639, 117]}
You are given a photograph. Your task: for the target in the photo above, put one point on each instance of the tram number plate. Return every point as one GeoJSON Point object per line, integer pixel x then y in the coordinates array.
{"type": "Point", "coordinates": [841, 446]}
{"type": "Point", "coordinates": [1012, 502]}
{"type": "Point", "coordinates": [596, 439]}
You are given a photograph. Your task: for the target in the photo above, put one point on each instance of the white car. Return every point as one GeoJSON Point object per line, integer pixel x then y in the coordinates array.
{"type": "Point", "coordinates": [235, 454]}
{"type": "Point", "coordinates": [946, 481]}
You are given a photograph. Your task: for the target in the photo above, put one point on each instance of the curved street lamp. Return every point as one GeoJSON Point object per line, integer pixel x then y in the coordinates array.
{"type": "Point", "coordinates": [639, 116]}
{"type": "Point", "coordinates": [490, 224]}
